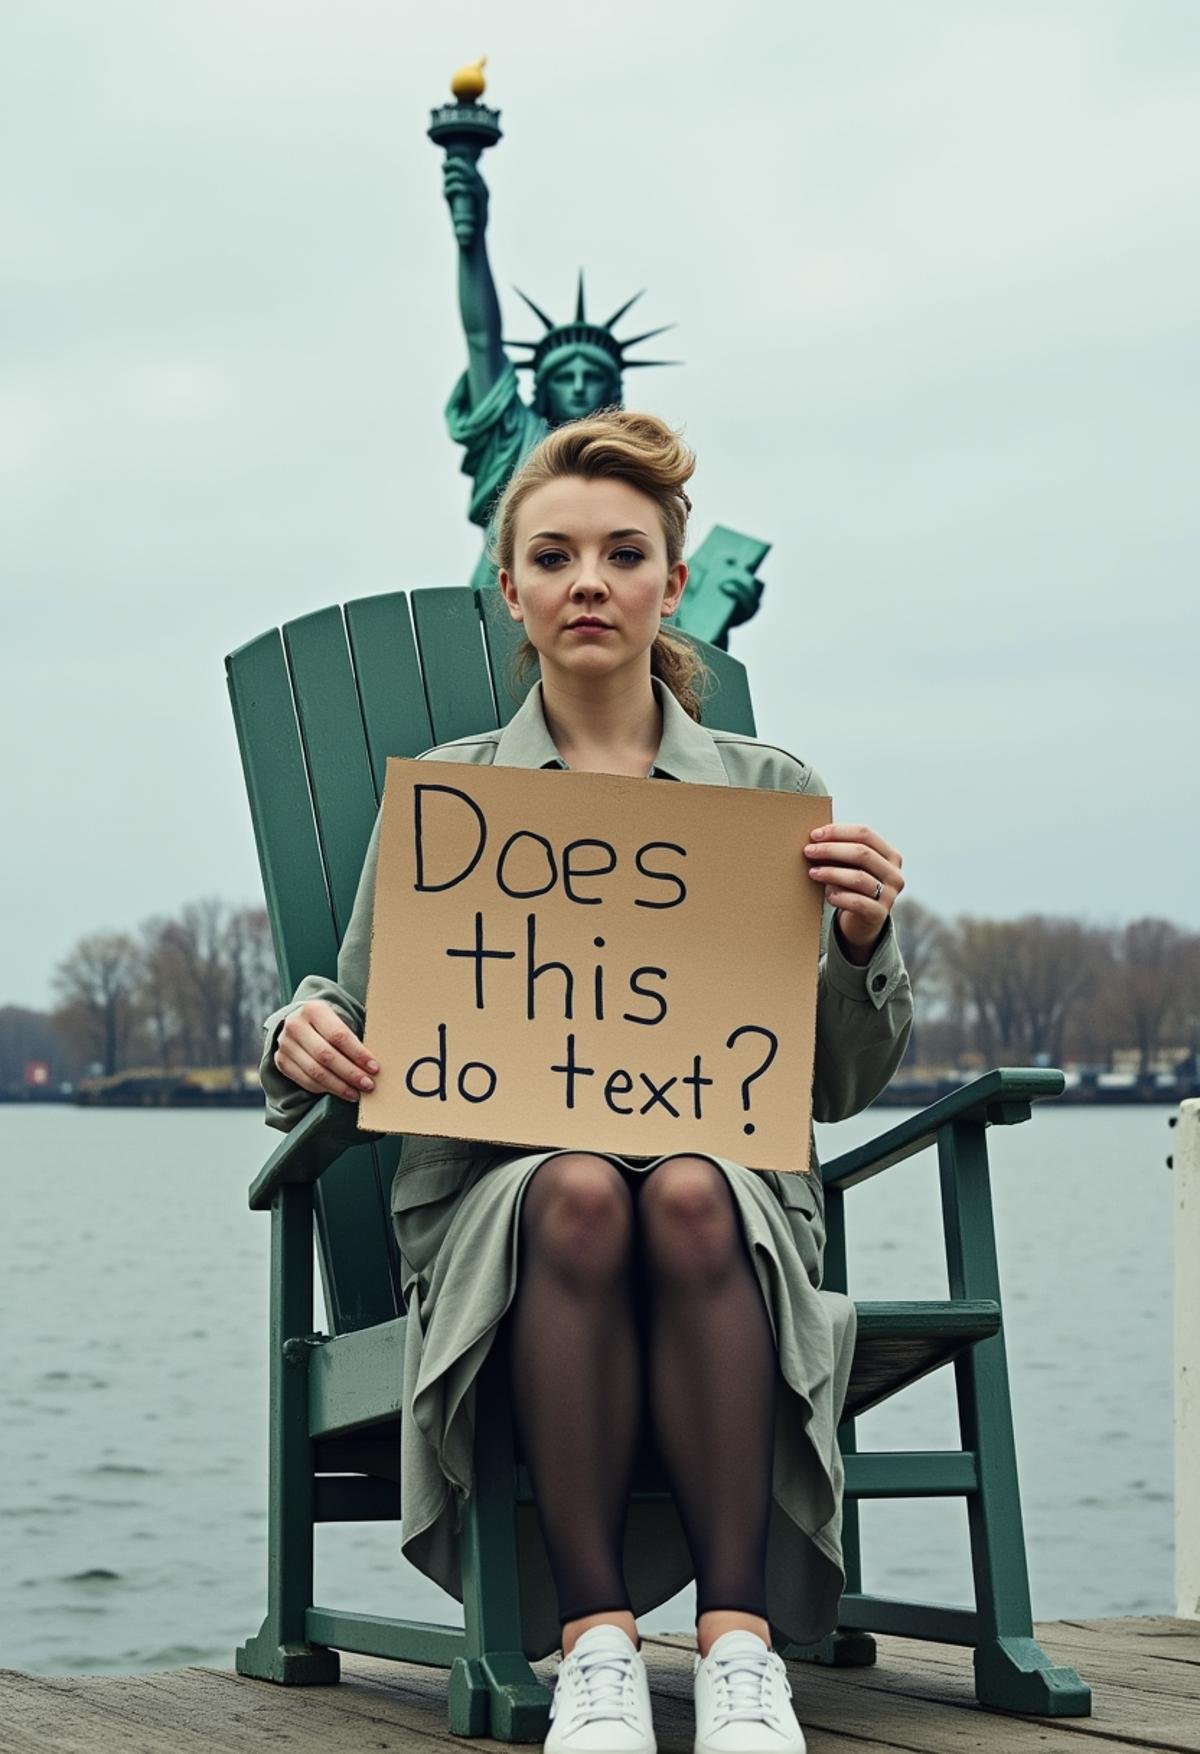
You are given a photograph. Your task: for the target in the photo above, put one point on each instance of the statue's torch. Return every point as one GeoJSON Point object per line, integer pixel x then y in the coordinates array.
{"type": "Point", "coordinates": [465, 128]}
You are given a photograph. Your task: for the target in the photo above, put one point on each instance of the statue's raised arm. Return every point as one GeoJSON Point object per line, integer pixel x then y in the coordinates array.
{"type": "Point", "coordinates": [485, 413]}
{"type": "Point", "coordinates": [467, 195]}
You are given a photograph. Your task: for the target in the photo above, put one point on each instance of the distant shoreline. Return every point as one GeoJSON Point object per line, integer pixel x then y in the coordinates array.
{"type": "Point", "coordinates": [1089, 1091]}
{"type": "Point", "coordinates": [1153, 1090]}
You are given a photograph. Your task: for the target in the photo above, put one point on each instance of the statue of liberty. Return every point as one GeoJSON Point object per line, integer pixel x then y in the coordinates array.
{"type": "Point", "coordinates": [577, 368]}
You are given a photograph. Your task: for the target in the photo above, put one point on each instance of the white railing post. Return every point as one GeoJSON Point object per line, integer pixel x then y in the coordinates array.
{"type": "Point", "coordinates": [1186, 1156]}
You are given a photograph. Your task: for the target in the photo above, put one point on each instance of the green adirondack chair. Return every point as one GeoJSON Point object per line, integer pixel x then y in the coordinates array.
{"type": "Point", "coordinates": [319, 706]}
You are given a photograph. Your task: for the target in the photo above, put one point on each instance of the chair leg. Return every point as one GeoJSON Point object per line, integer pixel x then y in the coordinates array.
{"type": "Point", "coordinates": [843, 1649]}
{"type": "Point", "coordinates": [498, 1694]}
{"type": "Point", "coordinates": [846, 1647]}
{"type": "Point", "coordinates": [1012, 1672]}
{"type": "Point", "coordinates": [470, 1698]}
{"type": "Point", "coordinates": [1015, 1674]}
{"type": "Point", "coordinates": [279, 1651]}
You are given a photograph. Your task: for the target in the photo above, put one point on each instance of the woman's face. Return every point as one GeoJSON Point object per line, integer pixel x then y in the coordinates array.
{"type": "Point", "coordinates": [591, 550]}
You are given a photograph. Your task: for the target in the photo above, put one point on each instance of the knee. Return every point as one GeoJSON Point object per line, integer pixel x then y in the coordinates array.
{"type": "Point", "coordinates": [689, 1223]}
{"type": "Point", "coordinates": [578, 1214]}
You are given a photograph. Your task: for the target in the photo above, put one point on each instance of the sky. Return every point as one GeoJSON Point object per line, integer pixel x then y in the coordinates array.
{"type": "Point", "coordinates": [935, 270]}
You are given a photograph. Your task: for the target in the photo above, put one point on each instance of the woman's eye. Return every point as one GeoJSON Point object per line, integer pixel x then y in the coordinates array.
{"type": "Point", "coordinates": [630, 556]}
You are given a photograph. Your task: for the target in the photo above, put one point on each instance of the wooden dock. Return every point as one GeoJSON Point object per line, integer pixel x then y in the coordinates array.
{"type": "Point", "coordinates": [1144, 1675]}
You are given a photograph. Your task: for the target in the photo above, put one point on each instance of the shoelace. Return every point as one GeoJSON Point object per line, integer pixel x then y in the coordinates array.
{"type": "Point", "coordinates": [743, 1688]}
{"type": "Point", "coordinates": [607, 1680]}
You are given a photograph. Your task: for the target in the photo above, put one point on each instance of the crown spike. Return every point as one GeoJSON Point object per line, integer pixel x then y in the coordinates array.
{"type": "Point", "coordinates": [646, 335]}
{"type": "Point", "coordinates": [628, 305]}
{"type": "Point", "coordinates": [536, 309]}
{"type": "Point", "coordinates": [579, 313]}
{"type": "Point", "coordinates": [630, 365]}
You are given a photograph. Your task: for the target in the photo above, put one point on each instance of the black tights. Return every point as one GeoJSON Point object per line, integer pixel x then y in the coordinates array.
{"type": "Point", "coordinates": [597, 1251]}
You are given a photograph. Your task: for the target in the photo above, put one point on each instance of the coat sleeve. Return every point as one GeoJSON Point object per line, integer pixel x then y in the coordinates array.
{"type": "Point", "coordinates": [287, 1102]}
{"type": "Point", "coordinates": [864, 1014]}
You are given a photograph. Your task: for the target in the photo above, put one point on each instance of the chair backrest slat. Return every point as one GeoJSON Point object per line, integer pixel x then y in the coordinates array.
{"type": "Point", "coordinates": [458, 685]}
{"type": "Point", "coordinates": [502, 636]}
{"type": "Point", "coordinates": [390, 687]}
{"type": "Point", "coordinates": [335, 746]}
{"type": "Point", "coordinates": [289, 854]}
{"type": "Point", "coordinates": [318, 712]}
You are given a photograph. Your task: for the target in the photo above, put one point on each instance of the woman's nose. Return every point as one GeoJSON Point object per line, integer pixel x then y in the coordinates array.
{"type": "Point", "coordinates": [588, 581]}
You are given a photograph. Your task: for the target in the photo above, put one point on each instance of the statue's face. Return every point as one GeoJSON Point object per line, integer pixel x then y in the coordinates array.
{"type": "Point", "coordinates": [578, 384]}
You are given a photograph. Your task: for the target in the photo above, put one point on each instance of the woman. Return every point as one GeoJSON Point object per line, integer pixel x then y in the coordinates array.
{"type": "Point", "coordinates": [672, 1300]}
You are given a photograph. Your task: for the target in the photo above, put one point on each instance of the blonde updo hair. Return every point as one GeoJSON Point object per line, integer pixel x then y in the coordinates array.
{"type": "Point", "coordinates": [644, 451]}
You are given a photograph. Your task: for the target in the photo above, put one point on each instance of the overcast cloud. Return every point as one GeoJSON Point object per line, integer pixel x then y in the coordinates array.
{"type": "Point", "coordinates": [936, 272]}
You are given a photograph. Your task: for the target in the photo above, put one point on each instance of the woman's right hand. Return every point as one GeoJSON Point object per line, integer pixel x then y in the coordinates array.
{"type": "Point", "coordinates": [322, 1054]}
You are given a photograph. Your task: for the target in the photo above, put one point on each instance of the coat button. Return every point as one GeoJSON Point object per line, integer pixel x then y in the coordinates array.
{"type": "Point", "coordinates": [879, 983]}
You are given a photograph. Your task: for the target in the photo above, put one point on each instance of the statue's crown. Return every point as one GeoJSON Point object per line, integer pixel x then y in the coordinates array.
{"type": "Point", "coordinates": [580, 332]}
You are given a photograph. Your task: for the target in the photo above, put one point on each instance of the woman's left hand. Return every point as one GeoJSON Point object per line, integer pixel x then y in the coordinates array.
{"type": "Point", "coordinates": [861, 875]}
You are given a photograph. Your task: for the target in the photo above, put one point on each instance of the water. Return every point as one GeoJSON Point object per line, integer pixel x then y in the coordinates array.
{"type": "Point", "coordinates": [133, 1304]}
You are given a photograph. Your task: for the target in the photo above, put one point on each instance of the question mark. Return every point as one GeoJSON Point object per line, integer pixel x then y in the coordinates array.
{"type": "Point", "coordinates": [773, 1049]}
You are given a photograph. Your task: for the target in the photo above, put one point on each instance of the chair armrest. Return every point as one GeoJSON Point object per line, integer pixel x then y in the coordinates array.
{"type": "Point", "coordinates": [328, 1129]}
{"type": "Point", "coordinates": [999, 1098]}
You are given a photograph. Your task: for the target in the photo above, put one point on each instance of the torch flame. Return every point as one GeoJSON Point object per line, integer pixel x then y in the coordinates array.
{"type": "Point", "coordinates": [468, 83]}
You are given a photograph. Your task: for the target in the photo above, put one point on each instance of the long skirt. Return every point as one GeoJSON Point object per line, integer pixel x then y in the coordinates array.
{"type": "Point", "coordinates": [456, 1299]}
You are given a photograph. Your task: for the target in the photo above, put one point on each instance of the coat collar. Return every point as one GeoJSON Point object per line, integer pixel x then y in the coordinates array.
{"type": "Point", "coordinates": [687, 750]}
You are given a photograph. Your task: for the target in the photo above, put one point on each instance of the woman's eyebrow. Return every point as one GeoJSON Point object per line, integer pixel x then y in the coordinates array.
{"type": "Point", "coordinates": [561, 536]}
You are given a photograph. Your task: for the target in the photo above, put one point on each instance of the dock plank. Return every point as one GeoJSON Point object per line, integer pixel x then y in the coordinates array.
{"type": "Point", "coordinates": [1158, 1639]}
{"type": "Point", "coordinates": [918, 1699]}
{"type": "Point", "coordinates": [921, 1696]}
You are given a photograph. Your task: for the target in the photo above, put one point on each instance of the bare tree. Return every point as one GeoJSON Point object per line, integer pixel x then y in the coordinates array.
{"type": "Point", "coordinates": [1059, 964]}
{"type": "Point", "coordinates": [252, 985]}
{"type": "Point", "coordinates": [262, 972]}
{"type": "Point", "coordinates": [1021, 981]}
{"type": "Point", "coordinates": [1096, 1028]}
{"type": "Point", "coordinates": [194, 945]}
{"type": "Point", "coordinates": [1185, 1018]}
{"type": "Point", "coordinates": [159, 1000]}
{"type": "Point", "coordinates": [922, 937]}
{"type": "Point", "coordinates": [1152, 977]}
{"type": "Point", "coordinates": [980, 962]}
{"type": "Point", "coordinates": [96, 983]}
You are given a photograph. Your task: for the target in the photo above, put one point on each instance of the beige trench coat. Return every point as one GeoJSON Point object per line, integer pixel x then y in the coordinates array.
{"type": "Point", "coordinates": [456, 1208]}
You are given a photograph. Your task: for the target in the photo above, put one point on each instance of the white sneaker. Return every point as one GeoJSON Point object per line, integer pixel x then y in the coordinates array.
{"type": "Point", "coordinates": [743, 1699]}
{"type": "Point", "coordinates": [601, 1702]}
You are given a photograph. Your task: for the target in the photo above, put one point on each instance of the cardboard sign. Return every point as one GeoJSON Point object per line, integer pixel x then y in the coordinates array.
{"type": "Point", "coordinates": [584, 960]}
